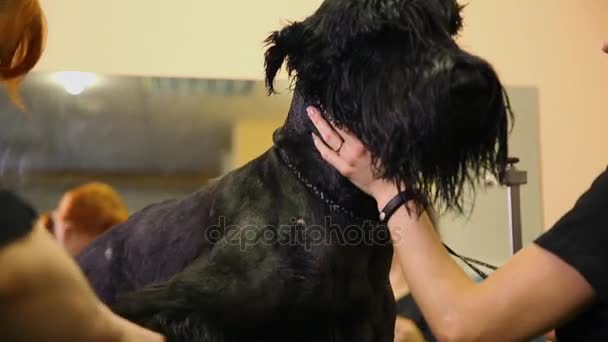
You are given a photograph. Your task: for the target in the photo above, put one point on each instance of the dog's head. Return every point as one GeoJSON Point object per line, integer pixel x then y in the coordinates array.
{"type": "Point", "coordinates": [434, 116]}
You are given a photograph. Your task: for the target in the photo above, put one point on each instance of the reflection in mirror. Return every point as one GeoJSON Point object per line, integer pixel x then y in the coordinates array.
{"type": "Point", "coordinates": [159, 138]}
{"type": "Point", "coordinates": [151, 138]}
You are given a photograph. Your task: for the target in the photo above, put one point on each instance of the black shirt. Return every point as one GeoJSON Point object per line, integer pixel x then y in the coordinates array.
{"type": "Point", "coordinates": [16, 217]}
{"type": "Point", "coordinates": [580, 238]}
{"type": "Point", "coordinates": [407, 308]}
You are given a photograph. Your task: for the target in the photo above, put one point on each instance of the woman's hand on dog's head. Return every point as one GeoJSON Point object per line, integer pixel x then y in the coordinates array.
{"type": "Point", "coordinates": [348, 155]}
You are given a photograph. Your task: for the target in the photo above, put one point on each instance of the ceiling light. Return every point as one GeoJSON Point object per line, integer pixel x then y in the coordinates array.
{"type": "Point", "coordinates": [75, 82]}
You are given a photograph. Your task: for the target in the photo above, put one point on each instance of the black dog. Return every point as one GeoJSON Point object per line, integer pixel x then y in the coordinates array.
{"type": "Point", "coordinates": [285, 248]}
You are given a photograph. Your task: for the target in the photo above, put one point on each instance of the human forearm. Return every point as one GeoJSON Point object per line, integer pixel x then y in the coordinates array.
{"type": "Point", "coordinates": [436, 281]}
{"type": "Point", "coordinates": [45, 297]}
{"type": "Point", "coordinates": [521, 300]}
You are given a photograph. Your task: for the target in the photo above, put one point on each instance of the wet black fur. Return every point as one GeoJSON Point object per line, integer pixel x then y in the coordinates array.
{"type": "Point", "coordinates": [390, 72]}
{"type": "Point", "coordinates": [197, 269]}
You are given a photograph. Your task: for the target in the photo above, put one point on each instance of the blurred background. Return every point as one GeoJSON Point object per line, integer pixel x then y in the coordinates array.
{"type": "Point", "coordinates": [152, 138]}
{"type": "Point", "coordinates": [157, 97]}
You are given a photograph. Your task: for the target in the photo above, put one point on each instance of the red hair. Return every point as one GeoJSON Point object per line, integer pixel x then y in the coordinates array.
{"type": "Point", "coordinates": [22, 34]}
{"type": "Point", "coordinates": [93, 208]}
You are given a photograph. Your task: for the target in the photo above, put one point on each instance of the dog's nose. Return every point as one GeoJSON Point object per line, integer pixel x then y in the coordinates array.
{"type": "Point", "coordinates": [473, 88]}
{"type": "Point", "coordinates": [468, 80]}
{"type": "Point", "coordinates": [476, 95]}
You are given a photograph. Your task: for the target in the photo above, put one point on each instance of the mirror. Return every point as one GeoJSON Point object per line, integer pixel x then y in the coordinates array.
{"type": "Point", "coordinates": [160, 138]}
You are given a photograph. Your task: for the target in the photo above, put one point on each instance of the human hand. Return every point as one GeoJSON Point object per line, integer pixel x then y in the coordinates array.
{"type": "Point", "coordinates": [605, 48]}
{"type": "Point", "coordinates": [348, 155]}
{"type": "Point", "coordinates": [407, 331]}
{"type": "Point", "coordinates": [127, 331]}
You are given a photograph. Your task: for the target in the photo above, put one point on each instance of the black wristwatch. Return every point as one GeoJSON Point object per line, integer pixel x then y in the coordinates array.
{"type": "Point", "coordinates": [16, 217]}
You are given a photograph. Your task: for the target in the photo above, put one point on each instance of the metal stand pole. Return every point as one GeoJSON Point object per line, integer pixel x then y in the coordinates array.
{"type": "Point", "coordinates": [513, 179]}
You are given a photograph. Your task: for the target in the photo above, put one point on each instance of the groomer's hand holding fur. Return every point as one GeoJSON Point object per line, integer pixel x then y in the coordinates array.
{"type": "Point", "coordinates": [348, 155]}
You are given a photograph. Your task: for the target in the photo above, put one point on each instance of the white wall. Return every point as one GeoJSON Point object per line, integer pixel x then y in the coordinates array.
{"type": "Point", "coordinates": [200, 38]}
{"type": "Point", "coordinates": [556, 46]}
{"type": "Point", "coordinates": [551, 44]}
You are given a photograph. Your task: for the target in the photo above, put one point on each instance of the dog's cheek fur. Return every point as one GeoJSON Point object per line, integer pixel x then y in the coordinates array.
{"type": "Point", "coordinates": [456, 131]}
{"type": "Point", "coordinates": [438, 129]}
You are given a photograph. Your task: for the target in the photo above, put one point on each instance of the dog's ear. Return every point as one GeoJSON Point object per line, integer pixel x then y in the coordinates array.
{"type": "Point", "coordinates": [454, 14]}
{"type": "Point", "coordinates": [284, 44]}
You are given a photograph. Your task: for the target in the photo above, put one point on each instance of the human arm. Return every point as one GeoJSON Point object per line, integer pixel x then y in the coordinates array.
{"type": "Point", "coordinates": [534, 292]}
{"type": "Point", "coordinates": [44, 297]}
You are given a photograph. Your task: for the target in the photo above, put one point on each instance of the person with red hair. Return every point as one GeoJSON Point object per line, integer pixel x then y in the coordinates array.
{"type": "Point", "coordinates": [37, 276]}
{"type": "Point", "coordinates": [86, 212]}
{"type": "Point", "coordinates": [22, 35]}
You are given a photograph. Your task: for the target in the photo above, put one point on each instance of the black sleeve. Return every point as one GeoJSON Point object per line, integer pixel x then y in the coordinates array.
{"type": "Point", "coordinates": [406, 307]}
{"type": "Point", "coordinates": [16, 217]}
{"type": "Point", "coordinates": [580, 238]}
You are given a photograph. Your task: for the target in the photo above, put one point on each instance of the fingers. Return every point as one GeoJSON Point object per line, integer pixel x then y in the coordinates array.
{"type": "Point", "coordinates": [346, 135]}
{"type": "Point", "coordinates": [331, 156]}
{"type": "Point", "coordinates": [328, 134]}
{"type": "Point", "coordinates": [353, 149]}
{"type": "Point", "coordinates": [605, 48]}
{"type": "Point", "coordinates": [323, 126]}
{"type": "Point", "coordinates": [344, 148]}
{"type": "Point", "coordinates": [337, 139]}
